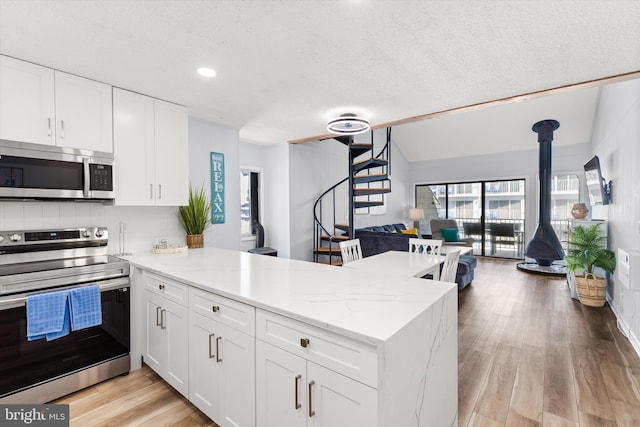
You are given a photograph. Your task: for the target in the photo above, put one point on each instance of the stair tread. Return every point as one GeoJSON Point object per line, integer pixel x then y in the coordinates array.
{"type": "Point", "coordinates": [371, 191]}
{"type": "Point", "coordinates": [370, 159]}
{"type": "Point", "coordinates": [366, 204]}
{"type": "Point", "coordinates": [335, 237]}
{"type": "Point", "coordinates": [338, 263]}
{"type": "Point", "coordinates": [343, 227]}
{"type": "Point", "coordinates": [332, 250]}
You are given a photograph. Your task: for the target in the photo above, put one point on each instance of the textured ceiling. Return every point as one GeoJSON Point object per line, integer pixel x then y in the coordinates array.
{"type": "Point", "coordinates": [285, 67]}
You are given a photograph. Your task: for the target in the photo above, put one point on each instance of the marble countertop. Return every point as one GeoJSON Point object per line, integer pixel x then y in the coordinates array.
{"type": "Point", "coordinates": [369, 307]}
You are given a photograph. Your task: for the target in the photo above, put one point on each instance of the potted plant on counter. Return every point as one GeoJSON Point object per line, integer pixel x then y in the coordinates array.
{"type": "Point", "coordinates": [194, 217]}
{"type": "Point", "coordinates": [587, 251]}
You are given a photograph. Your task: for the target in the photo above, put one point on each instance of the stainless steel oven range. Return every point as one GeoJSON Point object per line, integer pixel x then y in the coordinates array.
{"type": "Point", "coordinates": [39, 261]}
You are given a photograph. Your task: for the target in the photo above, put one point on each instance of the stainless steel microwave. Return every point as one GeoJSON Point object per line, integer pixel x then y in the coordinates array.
{"type": "Point", "coordinates": [34, 171]}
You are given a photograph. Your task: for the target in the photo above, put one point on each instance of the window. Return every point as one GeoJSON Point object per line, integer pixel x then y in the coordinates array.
{"type": "Point", "coordinates": [249, 200]}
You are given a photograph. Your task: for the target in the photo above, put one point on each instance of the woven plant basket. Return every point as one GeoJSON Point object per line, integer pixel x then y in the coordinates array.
{"type": "Point", "coordinates": [592, 290]}
{"type": "Point", "coordinates": [195, 241]}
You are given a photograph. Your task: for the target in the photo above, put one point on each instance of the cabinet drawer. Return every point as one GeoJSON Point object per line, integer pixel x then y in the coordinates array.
{"type": "Point", "coordinates": [224, 310]}
{"type": "Point", "coordinates": [351, 358]}
{"type": "Point", "coordinates": [170, 289]}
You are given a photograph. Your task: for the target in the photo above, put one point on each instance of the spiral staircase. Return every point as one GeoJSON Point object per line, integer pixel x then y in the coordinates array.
{"type": "Point", "coordinates": [367, 180]}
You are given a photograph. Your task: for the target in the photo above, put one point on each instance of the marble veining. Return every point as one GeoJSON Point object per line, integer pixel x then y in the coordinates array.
{"type": "Point", "coordinates": [361, 305]}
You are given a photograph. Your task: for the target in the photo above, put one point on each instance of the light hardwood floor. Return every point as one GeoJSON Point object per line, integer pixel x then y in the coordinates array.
{"type": "Point", "coordinates": [528, 356]}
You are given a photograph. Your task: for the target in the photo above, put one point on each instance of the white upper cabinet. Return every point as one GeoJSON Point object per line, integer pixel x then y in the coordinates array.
{"type": "Point", "coordinates": [151, 151]}
{"type": "Point", "coordinates": [41, 106]}
{"type": "Point", "coordinates": [171, 154]}
{"type": "Point", "coordinates": [27, 106]}
{"type": "Point", "coordinates": [83, 113]}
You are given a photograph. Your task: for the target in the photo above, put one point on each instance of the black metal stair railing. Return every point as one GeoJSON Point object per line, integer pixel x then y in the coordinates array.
{"type": "Point", "coordinates": [358, 173]}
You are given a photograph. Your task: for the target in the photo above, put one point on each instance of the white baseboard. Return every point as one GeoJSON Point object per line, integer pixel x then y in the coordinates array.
{"type": "Point", "coordinates": [622, 324]}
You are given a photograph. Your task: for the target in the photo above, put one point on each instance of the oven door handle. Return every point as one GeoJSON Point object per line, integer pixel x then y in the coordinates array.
{"type": "Point", "coordinates": [19, 300]}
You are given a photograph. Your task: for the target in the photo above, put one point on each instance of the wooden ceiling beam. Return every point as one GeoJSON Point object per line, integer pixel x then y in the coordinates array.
{"type": "Point", "coordinates": [472, 107]}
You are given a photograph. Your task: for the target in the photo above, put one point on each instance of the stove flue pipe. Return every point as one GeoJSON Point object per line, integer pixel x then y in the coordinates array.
{"type": "Point", "coordinates": [545, 247]}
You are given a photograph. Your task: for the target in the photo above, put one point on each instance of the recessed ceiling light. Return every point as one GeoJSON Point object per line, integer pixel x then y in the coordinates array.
{"type": "Point", "coordinates": [206, 72]}
{"type": "Point", "coordinates": [348, 124]}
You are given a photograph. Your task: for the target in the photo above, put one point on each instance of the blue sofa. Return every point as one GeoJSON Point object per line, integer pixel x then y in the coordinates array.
{"type": "Point", "coordinates": [381, 238]}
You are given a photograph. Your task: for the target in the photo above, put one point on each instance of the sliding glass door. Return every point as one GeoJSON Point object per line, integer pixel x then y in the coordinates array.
{"type": "Point", "coordinates": [491, 212]}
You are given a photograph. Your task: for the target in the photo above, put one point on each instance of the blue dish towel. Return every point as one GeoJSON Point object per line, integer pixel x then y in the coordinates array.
{"type": "Point", "coordinates": [47, 315]}
{"type": "Point", "coordinates": [85, 307]}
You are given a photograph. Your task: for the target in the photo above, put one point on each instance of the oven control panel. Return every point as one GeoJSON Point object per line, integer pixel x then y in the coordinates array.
{"type": "Point", "coordinates": [86, 235]}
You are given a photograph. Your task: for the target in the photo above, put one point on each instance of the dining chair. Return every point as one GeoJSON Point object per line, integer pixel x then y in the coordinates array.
{"type": "Point", "coordinates": [350, 250]}
{"type": "Point", "coordinates": [450, 267]}
{"type": "Point", "coordinates": [503, 234]}
{"type": "Point", "coordinates": [425, 246]}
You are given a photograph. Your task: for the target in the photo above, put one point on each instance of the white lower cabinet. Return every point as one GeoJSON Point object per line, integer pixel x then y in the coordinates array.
{"type": "Point", "coordinates": [166, 346]}
{"type": "Point", "coordinates": [221, 372]}
{"type": "Point", "coordinates": [291, 391]}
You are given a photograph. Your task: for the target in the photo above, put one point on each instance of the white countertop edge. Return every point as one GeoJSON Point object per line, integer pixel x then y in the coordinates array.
{"type": "Point", "coordinates": [441, 289]}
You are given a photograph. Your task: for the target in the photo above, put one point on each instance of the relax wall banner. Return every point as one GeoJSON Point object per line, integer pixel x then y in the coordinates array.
{"type": "Point", "coordinates": [217, 188]}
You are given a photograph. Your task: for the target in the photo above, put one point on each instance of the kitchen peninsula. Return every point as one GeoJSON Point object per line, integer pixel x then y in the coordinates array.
{"type": "Point", "coordinates": [259, 340]}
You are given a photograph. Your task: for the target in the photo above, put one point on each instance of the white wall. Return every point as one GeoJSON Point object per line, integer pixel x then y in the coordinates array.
{"type": "Point", "coordinates": [511, 165]}
{"type": "Point", "coordinates": [206, 137]}
{"type": "Point", "coordinates": [616, 138]}
{"type": "Point", "coordinates": [277, 220]}
{"type": "Point", "coordinates": [315, 167]}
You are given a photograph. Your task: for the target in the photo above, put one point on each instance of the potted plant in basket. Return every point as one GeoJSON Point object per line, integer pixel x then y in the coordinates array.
{"type": "Point", "coordinates": [194, 217]}
{"type": "Point", "coordinates": [587, 250]}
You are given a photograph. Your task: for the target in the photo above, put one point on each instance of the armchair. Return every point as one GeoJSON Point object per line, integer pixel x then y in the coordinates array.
{"type": "Point", "coordinates": [438, 224]}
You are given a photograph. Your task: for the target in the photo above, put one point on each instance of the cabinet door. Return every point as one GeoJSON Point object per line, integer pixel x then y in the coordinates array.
{"type": "Point", "coordinates": [236, 358]}
{"type": "Point", "coordinates": [171, 154]}
{"type": "Point", "coordinates": [281, 397]}
{"type": "Point", "coordinates": [155, 339]}
{"type": "Point", "coordinates": [83, 113]}
{"type": "Point", "coordinates": [203, 369]}
{"type": "Point", "coordinates": [27, 107]}
{"type": "Point", "coordinates": [176, 323]}
{"type": "Point", "coordinates": [133, 147]}
{"type": "Point", "coordinates": [338, 401]}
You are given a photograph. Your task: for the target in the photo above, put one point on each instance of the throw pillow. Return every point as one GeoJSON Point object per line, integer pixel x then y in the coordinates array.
{"type": "Point", "coordinates": [410, 231]}
{"type": "Point", "coordinates": [450, 234]}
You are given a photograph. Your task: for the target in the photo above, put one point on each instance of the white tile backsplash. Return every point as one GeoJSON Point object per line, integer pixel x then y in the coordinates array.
{"type": "Point", "coordinates": [143, 224]}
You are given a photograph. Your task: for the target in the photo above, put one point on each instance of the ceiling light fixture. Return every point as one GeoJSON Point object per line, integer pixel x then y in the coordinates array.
{"type": "Point", "coordinates": [206, 72]}
{"type": "Point", "coordinates": [348, 124]}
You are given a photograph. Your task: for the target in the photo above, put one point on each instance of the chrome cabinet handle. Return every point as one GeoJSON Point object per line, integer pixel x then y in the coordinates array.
{"type": "Point", "coordinates": [151, 191]}
{"type": "Point", "coordinates": [218, 359]}
{"type": "Point", "coordinates": [215, 308]}
{"type": "Point", "coordinates": [158, 322]}
{"type": "Point", "coordinates": [62, 129]}
{"type": "Point", "coordinates": [298, 405]}
{"type": "Point", "coordinates": [311, 411]}
{"type": "Point", "coordinates": [163, 325]}
{"type": "Point", "coordinates": [304, 342]}
{"type": "Point", "coordinates": [159, 191]}
{"type": "Point", "coordinates": [211, 356]}
{"type": "Point", "coordinates": [48, 126]}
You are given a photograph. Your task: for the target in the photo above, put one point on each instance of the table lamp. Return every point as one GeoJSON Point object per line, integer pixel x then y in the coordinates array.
{"type": "Point", "coordinates": [416, 214]}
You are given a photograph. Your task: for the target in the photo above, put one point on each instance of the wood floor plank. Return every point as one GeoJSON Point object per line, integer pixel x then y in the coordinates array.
{"type": "Point", "coordinates": [470, 381]}
{"type": "Point", "coordinates": [591, 389]}
{"type": "Point", "coordinates": [589, 420]}
{"type": "Point", "coordinates": [489, 339]}
{"type": "Point", "coordinates": [495, 396]}
{"type": "Point", "coordinates": [559, 388]}
{"type": "Point", "coordinates": [516, 420]}
{"type": "Point", "coordinates": [552, 420]}
{"type": "Point", "coordinates": [478, 420]}
{"type": "Point", "coordinates": [626, 414]}
{"type": "Point", "coordinates": [625, 349]}
{"type": "Point", "coordinates": [620, 383]}
{"type": "Point", "coordinates": [528, 390]}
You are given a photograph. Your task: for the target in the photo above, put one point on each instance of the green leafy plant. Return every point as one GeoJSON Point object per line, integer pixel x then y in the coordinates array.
{"type": "Point", "coordinates": [587, 250]}
{"type": "Point", "coordinates": [194, 217]}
